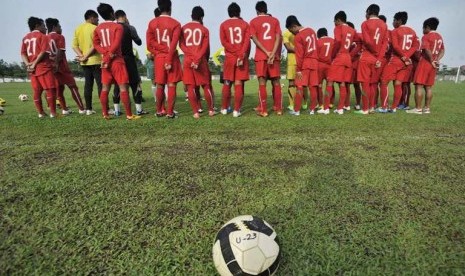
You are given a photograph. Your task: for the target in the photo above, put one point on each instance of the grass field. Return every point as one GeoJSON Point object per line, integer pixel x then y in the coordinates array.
{"type": "Point", "coordinates": [359, 195]}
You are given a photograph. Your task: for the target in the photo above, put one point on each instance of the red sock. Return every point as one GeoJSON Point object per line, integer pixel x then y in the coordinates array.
{"type": "Point", "coordinates": [397, 96]}
{"type": "Point", "coordinates": [278, 97]}
{"type": "Point", "coordinates": [171, 99]}
{"type": "Point", "coordinates": [160, 95]}
{"type": "Point", "coordinates": [238, 96]}
{"type": "Point", "coordinates": [192, 96]}
{"type": "Point", "coordinates": [384, 95]}
{"type": "Point", "coordinates": [226, 99]}
{"type": "Point", "coordinates": [313, 97]}
{"type": "Point", "coordinates": [37, 96]}
{"type": "Point", "coordinates": [208, 96]}
{"type": "Point", "coordinates": [298, 98]}
{"type": "Point", "coordinates": [262, 97]}
{"type": "Point", "coordinates": [76, 96]}
{"type": "Point", "coordinates": [366, 96]}
{"type": "Point", "coordinates": [126, 102]}
{"type": "Point", "coordinates": [320, 96]}
{"type": "Point", "coordinates": [374, 93]}
{"type": "Point", "coordinates": [328, 96]}
{"type": "Point", "coordinates": [104, 102]}
{"type": "Point", "coordinates": [60, 97]}
{"type": "Point", "coordinates": [342, 96]}
{"type": "Point", "coordinates": [51, 100]}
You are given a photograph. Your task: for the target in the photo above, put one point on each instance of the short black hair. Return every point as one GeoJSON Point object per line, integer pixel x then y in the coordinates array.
{"type": "Point", "coordinates": [341, 15]}
{"type": "Point", "coordinates": [351, 24]}
{"type": "Point", "coordinates": [197, 13]}
{"type": "Point", "coordinates": [382, 17]}
{"type": "Point", "coordinates": [51, 23]}
{"type": "Point", "coordinates": [373, 9]}
{"type": "Point", "coordinates": [322, 32]}
{"type": "Point", "coordinates": [432, 23]}
{"type": "Point", "coordinates": [402, 16]}
{"type": "Point", "coordinates": [164, 5]}
{"type": "Point", "coordinates": [89, 14]}
{"type": "Point", "coordinates": [106, 11]}
{"type": "Point", "coordinates": [261, 7]}
{"type": "Point", "coordinates": [291, 20]}
{"type": "Point", "coordinates": [119, 14]}
{"type": "Point", "coordinates": [34, 22]}
{"type": "Point", "coordinates": [234, 10]}
{"type": "Point", "coordinates": [157, 12]}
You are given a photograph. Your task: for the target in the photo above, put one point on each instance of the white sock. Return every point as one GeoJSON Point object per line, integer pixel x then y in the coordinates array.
{"type": "Point", "coordinates": [116, 107]}
{"type": "Point", "coordinates": [139, 107]}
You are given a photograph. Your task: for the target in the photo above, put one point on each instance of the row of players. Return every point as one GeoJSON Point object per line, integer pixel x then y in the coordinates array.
{"type": "Point", "coordinates": [315, 59]}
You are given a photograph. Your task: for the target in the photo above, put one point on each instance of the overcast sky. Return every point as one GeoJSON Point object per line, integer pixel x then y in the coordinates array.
{"type": "Point", "coordinates": [316, 14]}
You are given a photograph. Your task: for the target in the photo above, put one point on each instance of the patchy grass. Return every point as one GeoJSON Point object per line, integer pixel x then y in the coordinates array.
{"type": "Point", "coordinates": [380, 194]}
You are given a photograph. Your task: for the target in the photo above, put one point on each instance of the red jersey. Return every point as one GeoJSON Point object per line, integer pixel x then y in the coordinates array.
{"type": "Point", "coordinates": [305, 49]}
{"type": "Point", "coordinates": [107, 40]}
{"type": "Point", "coordinates": [356, 48]}
{"type": "Point", "coordinates": [34, 44]}
{"type": "Point", "coordinates": [266, 29]}
{"type": "Point", "coordinates": [163, 35]}
{"type": "Point", "coordinates": [325, 46]}
{"type": "Point", "coordinates": [235, 38]}
{"type": "Point", "coordinates": [343, 38]}
{"type": "Point", "coordinates": [404, 42]}
{"type": "Point", "coordinates": [432, 41]}
{"type": "Point", "coordinates": [194, 42]}
{"type": "Point", "coordinates": [375, 37]}
{"type": "Point", "coordinates": [57, 42]}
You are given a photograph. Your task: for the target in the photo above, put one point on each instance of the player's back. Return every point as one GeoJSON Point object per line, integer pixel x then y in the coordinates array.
{"type": "Point", "coordinates": [374, 35]}
{"type": "Point", "coordinates": [109, 34]}
{"type": "Point", "coordinates": [403, 38]}
{"type": "Point", "coordinates": [325, 46]}
{"type": "Point", "coordinates": [160, 34]}
{"type": "Point", "coordinates": [57, 42]}
{"type": "Point", "coordinates": [306, 42]}
{"type": "Point", "coordinates": [34, 43]}
{"type": "Point", "coordinates": [194, 38]}
{"type": "Point", "coordinates": [265, 28]}
{"type": "Point", "coordinates": [432, 41]}
{"type": "Point", "coordinates": [343, 38]}
{"type": "Point", "coordinates": [234, 33]}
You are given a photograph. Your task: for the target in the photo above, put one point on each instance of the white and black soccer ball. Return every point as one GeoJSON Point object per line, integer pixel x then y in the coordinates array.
{"type": "Point", "coordinates": [23, 97]}
{"type": "Point", "coordinates": [246, 245]}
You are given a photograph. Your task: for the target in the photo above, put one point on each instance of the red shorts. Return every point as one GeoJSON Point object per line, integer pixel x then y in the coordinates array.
{"type": "Point", "coordinates": [340, 73]}
{"type": "Point", "coordinates": [412, 72]}
{"type": "Point", "coordinates": [164, 77]}
{"type": "Point", "coordinates": [200, 76]}
{"type": "Point", "coordinates": [44, 81]}
{"type": "Point", "coordinates": [366, 68]}
{"type": "Point", "coordinates": [231, 72]}
{"type": "Point", "coordinates": [323, 69]}
{"type": "Point", "coordinates": [396, 70]}
{"type": "Point", "coordinates": [65, 78]}
{"type": "Point", "coordinates": [115, 73]}
{"type": "Point", "coordinates": [309, 78]}
{"type": "Point", "coordinates": [425, 73]}
{"type": "Point", "coordinates": [271, 71]}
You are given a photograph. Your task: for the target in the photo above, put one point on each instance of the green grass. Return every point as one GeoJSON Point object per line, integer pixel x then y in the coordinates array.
{"type": "Point", "coordinates": [362, 195]}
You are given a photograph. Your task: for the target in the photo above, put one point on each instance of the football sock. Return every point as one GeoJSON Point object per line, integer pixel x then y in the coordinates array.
{"type": "Point", "coordinates": [160, 97]}
{"type": "Point", "coordinates": [366, 89]}
{"type": "Point", "coordinates": [262, 97]}
{"type": "Point", "coordinates": [298, 99]}
{"type": "Point", "coordinates": [208, 96]}
{"type": "Point", "coordinates": [37, 96]}
{"type": "Point", "coordinates": [171, 99]}
{"type": "Point", "coordinates": [342, 96]}
{"type": "Point", "coordinates": [313, 97]}
{"type": "Point", "coordinates": [104, 102]}
{"type": "Point", "coordinates": [328, 96]}
{"type": "Point", "coordinates": [51, 100]}
{"type": "Point", "coordinates": [126, 102]}
{"type": "Point", "coordinates": [238, 96]}
{"type": "Point", "coordinates": [397, 96]}
{"type": "Point", "coordinates": [76, 96]}
{"type": "Point", "coordinates": [192, 96]}
{"type": "Point", "coordinates": [384, 92]}
{"type": "Point", "coordinates": [60, 97]}
{"type": "Point", "coordinates": [278, 97]}
{"type": "Point", "coordinates": [226, 99]}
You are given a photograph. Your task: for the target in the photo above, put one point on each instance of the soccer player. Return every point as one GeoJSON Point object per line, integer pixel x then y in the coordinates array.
{"type": "Point", "coordinates": [266, 34]}
{"type": "Point", "coordinates": [325, 46]}
{"type": "Point", "coordinates": [355, 52]}
{"type": "Point", "coordinates": [340, 70]}
{"type": "Point", "coordinates": [162, 39]}
{"type": "Point", "coordinates": [195, 42]}
{"type": "Point", "coordinates": [307, 62]}
{"type": "Point", "coordinates": [63, 74]}
{"type": "Point", "coordinates": [404, 43]}
{"type": "Point", "coordinates": [35, 51]}
{"type": "Point", "coordinates": [374, 37]}
{"type": "Point", "coordinates": [235, 38]}
{"type": "Point", "coordinates": [376, 77]}
{"type": "Point", "coordinates": [107, 41]}
{"type": "Point", "coordinates": [432, 51]}
{"type": "Point", "coordinates": [90, 60]}
{"type": "Point", "coordinates": [288, 41]}
{"type": "Point", "coordinates": [129, 35]}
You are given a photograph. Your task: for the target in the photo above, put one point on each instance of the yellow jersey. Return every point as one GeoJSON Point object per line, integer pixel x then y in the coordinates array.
{"type": "Point", "coordinates": [288, 37]}
{"type": "Point", "coordinates": [83, 39]}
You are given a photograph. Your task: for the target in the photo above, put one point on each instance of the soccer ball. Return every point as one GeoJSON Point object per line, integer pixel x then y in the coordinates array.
{"type": "Point", "coordinates": [23, 97]}
{"type": "Point", "coordinates": [1, 110]}
{"type": "Point", "coordinates": [2, 102]}
{"type": "Point", "coordinates": [246, 245]}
